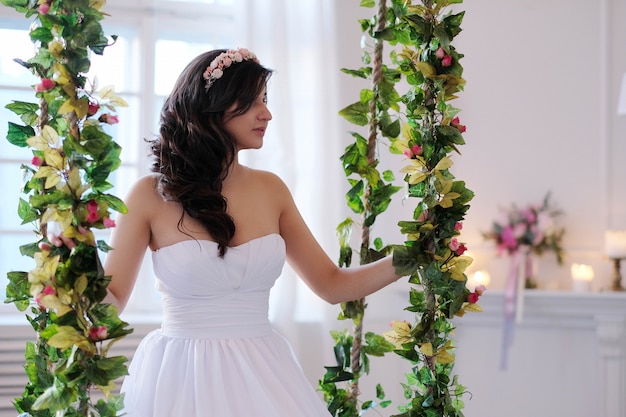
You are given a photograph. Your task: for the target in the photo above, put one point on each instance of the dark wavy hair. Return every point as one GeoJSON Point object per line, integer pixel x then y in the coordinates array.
{"type": "Point", "coordinates": [193, 151]}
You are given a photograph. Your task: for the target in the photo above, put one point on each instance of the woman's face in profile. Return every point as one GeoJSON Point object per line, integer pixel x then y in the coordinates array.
{"type": "Point", "coordinates": [249, 128]}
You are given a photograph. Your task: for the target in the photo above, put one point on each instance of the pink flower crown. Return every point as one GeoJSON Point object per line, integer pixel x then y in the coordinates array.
{"type": "Point", "coordinates": [224, 60]}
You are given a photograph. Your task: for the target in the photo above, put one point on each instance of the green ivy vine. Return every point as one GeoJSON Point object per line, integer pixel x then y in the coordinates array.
{"type": "Point", "coordinates": [66, 182]}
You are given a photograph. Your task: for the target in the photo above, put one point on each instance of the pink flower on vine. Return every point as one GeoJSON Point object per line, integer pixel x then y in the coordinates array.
{"type": "Point", "coordinates": [440, 53]}
{"type": "Point", "coordinates": [423, 216]}
{"type": "Point", "coordinates": [45, 85]}
{"type": "Point", "coordinates": [457, 247]}
{"type": "Point", "coordinates": [97, 333]}
{"type": "Point", "coordinates": [457, 123]}
{"type": "Point", "coordinates": [109, 119]}
{"type": "Point", "coordinates": [458, 226]}
{"type": "Point", "coordinates": [93, 108]}
{"type": "Point", "coordinates": [92, 208]}
{"type": "Point", "coordinates": [108, 222]}
{"type": "Point", "coordinates": [47, 290]}
{"type": "Point", "coordinates": [446, 61]}
{"type": "Point", "coordinates": [472, 297]}
{"type": "Point", "coordinates": [480, 289]}
{"type": "Point", "coordinates": [43, 8]}
{"type": "Point", "coordinates": [37, 161]}
{"type": "Point", "coordinates": [414, 150]}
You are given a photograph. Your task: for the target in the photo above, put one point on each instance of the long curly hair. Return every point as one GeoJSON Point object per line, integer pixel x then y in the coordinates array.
{"type": "Point", "coordinates": [193, 151]}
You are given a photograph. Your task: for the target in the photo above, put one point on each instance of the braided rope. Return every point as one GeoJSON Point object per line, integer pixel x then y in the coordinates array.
{"type": "Point", "coordinates": [355, 357]}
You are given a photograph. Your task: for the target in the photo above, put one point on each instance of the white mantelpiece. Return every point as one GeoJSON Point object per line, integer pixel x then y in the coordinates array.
{"type": "Point", "coordinates": [567, 358]}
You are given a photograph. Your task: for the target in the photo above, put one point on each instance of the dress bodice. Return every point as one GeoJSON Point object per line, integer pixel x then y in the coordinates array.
{"type": "Point", "coordinates": [208, 296]}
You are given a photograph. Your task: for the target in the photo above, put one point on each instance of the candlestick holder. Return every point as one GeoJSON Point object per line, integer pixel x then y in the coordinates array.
{"type": "Point", "coordinates": [617, 275]}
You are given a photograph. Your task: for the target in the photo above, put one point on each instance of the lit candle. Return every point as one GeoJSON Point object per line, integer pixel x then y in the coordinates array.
{"type": "Point", "coordinates": [582, 275]}
{"type": "Point", "coordinates": [478, 278]}
{"type": "Point", "coordinates": [615, 243]}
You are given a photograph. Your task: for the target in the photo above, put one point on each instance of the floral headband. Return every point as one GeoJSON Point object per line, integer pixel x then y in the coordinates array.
{"type": "Point", "coordinates": [224, 60]}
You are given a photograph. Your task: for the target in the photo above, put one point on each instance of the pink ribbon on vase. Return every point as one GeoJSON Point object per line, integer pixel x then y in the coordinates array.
{"type": "Point", "coordinates": [513, 305]}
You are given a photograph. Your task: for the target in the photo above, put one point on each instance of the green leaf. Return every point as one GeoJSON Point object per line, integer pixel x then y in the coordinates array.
{"type": "Point", "coordinates": [356, 113]}
{"type": "Point", "coordinates": [17, 135]}
{"type": "Point", "coordinates": [111, 368]}
{"type": "Point", "coordinates": [380, 393]}
{"type": "Point", "coordinates": [353, 197]}
{"type": "Point", "coordinates": [19, 5]}
{"type": "Point", "coordinates": [29, 249]}
{"type": "Point", "coordinates": [103, 246]}
{"type": "Point", "coordinates": [115, 203]}
{"type": "Point", "coordinates": [57, 397]}
{"type": "Point", "coordinates": [419, 24]}
{"type": "Point", "coordinates": [26, 213]}
{"type": "Point", "coordinates": [26, 111]}
{"type": "Point", "coordinates": [449, 134]}
{"type": "Point", "coordinates": [41, 34]}
{"type": "Point", "coordinates": [336, 374]}
{"type": "Point", "coordinates": [377, 345]}
{"type": "Point", "coordinates": [360, 73]}
{"type": "Point", "coordinates": [18, 290]}
{"type": "Point", "coordinates": [405, 260]}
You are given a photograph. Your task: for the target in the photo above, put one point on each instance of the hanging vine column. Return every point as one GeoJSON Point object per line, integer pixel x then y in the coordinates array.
{"type": "Point", "coordinates": [369, 196]}
{"type": "Point", "coordinates": [423, 126]}
{"type": "Point", "coordinates": [432, 256]}
{"type": "Point", "coordinates": [66, 183]}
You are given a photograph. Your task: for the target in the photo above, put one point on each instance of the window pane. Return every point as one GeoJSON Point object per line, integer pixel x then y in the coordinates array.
{"type": "Point", "coordinates": [126, 133]}
{"type": "Point", "coordinates": [171, 57]}
{"type": "Point", "coordinates": [115, 66]}
{"type": "Point", "coordinates": [20, 46]}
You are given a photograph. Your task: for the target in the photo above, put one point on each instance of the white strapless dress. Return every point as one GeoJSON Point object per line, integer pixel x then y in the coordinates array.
{"type": "Point", "coordinates": [216, 354]}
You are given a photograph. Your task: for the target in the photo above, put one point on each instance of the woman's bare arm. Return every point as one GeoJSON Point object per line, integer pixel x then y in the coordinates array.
{"type": "Point", "coordinates": [129, 239]}
{"type": "Point", "coordinates": [314, 266]}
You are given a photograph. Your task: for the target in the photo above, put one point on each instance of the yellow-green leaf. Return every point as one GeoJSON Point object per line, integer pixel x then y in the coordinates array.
{"type": "Point", "coordinates": [445, 357]}
{"type": "Point", "coordinates": [53, 158]}
{"type": "Point", "coordinates": [444, 163]}
{"type": "Point", "coordinates": [65, 337]}
{"type": "Point", "coordinates": [50, 135]}
{"type": "Point", "coordinates": [473, 308]}
{"type": "Point", "coordinates": [38, 142]}
{"type": "Point", "coordinates": [74, 182]}
{"type": "Point", "coordinates": [426, 349]}
{"type": "Point", "coordinates": [81, 284]}
{"type": "Point", "coordinates": [426, 69]}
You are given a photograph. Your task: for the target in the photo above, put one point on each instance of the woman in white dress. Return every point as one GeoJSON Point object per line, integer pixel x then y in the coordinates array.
{"type": "Point", "coordinates": [219, 233]}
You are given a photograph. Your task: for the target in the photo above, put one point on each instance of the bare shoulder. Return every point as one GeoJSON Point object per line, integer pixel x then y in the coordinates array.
{"type": "Point", "coordinates": [145, 187]}
{"type": "Point", "coordinates": [144, 194]}
{"type": "Point", "coordinates": [269, 183]}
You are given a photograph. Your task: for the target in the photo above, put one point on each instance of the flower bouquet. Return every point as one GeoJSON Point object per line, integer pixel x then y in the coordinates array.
{"type": "Point", "coordinates": [530, 230]}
